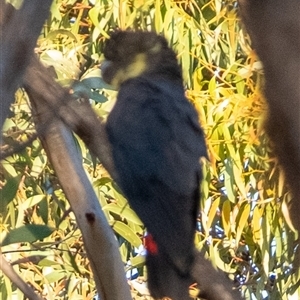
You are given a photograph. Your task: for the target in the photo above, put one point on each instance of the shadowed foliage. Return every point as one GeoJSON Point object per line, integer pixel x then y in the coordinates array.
{"type": "Point", "coordinates": [244, 225]}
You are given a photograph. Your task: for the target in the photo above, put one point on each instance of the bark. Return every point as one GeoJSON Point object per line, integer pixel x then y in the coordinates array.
{"type": "Point", "coordinates": [213, 284]}
{"type": "Point", "coordinates": [274, 27]}
{"type": "Point", "coordinates": [19, 32]}
{"type": "Point", "coordinates": [79, 116]}
{"type": "Point", "coordinates": [9, 271]}
{"type": "Point", "coordinates": [57, 139]}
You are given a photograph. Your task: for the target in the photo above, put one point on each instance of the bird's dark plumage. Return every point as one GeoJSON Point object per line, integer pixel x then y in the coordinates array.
{"type": "Point", "coordinates": [156, 145]}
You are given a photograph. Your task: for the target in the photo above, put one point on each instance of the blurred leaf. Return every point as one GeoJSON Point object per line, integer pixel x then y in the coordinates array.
{"type": "Point", "coordinates": [31, 201]}
{"type": "Point", "coordinates": [212, 212]}
{"type": "Point", "coordinates": [256, 224]}
{"type": "Point", "coordinates": [158, 18]}
{"type": "Point", "coordinates": [99, 98]}
{"type": "Point", "coordinates": [137, 261]}
{"type": "Point", "coordinates": [226, 210]}
{"type": "Point", "coordinates": [125, 212]}
{"type": "Point", "coordinates": [127, 233]}
{"type": "Point", "coordinates": [218, 262]}
{"type": "Point", "coordinates": [286, 213]}
{"type": "Point", "coordinates": [55, 276]}
{"type": "Point", "coordinates": [116, 194]}
{"type": "Point", "coordinates": [9, 168]}
{"type": "Point", "coordinates": [53, 34]}
{"type": "Point", "coordinates": [38, 165]}
{"type": "Point", "coordinates": [102, 181]}
{"type": "Point", "coordinates": [242, 221]}
{"type": "Point", "coordinates": [229, 181]}
{"type": "Point", "coordinates": [8, 192]}
{"type": "Point", "coordinates": [43, 210]}
{"type": "Point", "coordinates": [238, 178]}
{"type": "Point", "coordinates": [93, 80]}
{"type": "Point", "coordinates": [47, 262]}
{"type": "Point", "coordinates": [29, 233]}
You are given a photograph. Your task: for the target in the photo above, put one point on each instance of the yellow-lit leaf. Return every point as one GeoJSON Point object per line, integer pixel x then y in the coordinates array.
{"type": "Point", "coordinates": [229, 181]}
{"type": "Point", "coordinates": [238, 178]}
{"type": "Point", "coordinates": [226, 210]}
{"type": "Point", "coordinates": [212, 212]}
{"type": "Point", "coordinates": [286, 213]}
{"type": "Point", "coordinates": [243, 220]}
{"type": "Point", "coordinates": [127, 233]}
{"type": "Point", "coordinates": [256, 224]}
{"type": "Point", "coordinates": [125, 212]}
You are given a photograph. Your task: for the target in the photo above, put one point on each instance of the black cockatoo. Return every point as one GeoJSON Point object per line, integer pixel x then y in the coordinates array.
{"type": "Point", "coordinates": [156, 144]}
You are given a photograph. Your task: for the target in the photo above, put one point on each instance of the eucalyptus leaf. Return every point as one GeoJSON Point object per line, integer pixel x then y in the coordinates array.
{"type": "Point", "coordinates": [28, 233]}
{"type": "Point", "coordinates": [127, 233]}
{"type": "Point", "coordinates": [8, 192]}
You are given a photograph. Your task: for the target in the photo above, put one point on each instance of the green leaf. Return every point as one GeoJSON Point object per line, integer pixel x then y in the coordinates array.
{"type": "Point", "coordinates": [88, 88]}
{"type": "Point", "coordinates": [256, 224]}
{"type": "Point", "coordinates": [38, 165]}
{"type": "Point", "coordinates": [43, 209]}
{"type": "Point", "coordinates": [102, 181]}
{"type": "Point", "coordinates": [8, 124]}
{"type": "Point", "coordinates": [47, 262]}
{"type": "Point", "coordinates": [217, 260]}
{"type": "Point", "coordinates": [242, 221]}
{"type": "Point", "coordinates": [127, 233]}
{"type": "Point", "coordinates": [93, 80]}
{"type": "Point", "coordinates": [28, 233]}
{"type": "Point", "coordinates": [99, 98]}
{"type": "Point", "coordinates": [79, 89]}
{"type": "Point", "coordinates": [8, 192]}
{"type": "Point", "coordinates": [53, 34]}
{"type": "Point", "coordinates": [9, 168]}
{"type": "Point", "coordinates": [229, 181]}
{"type": "Point", "coordinates": [226, 209]}
{"type": "Point", "coordinates": [212, 212]}
{"type": "Point", "coordinates": [31, 201]}
{"type": "Point", "coordinates": [116, 193]}
{"type": "Point", "coordinates": [157, 16]}
{"type": "Point", "coordinates": [125, 212]}
{"type": "Point", "coordinates": [238, 177]}
{"type": "Point", "coordinates": [137, 261]}
{"type": "Point", "coordinates": [55, 276]}
{"type": "Point", "coordinates": [94, 16]}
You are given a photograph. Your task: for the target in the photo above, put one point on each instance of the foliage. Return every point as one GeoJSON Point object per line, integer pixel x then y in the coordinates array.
{"type": "Point", "coordinates": [244, 226]}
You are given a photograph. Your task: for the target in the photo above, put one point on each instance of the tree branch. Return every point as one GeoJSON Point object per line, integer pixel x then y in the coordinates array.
{"type": "Point", "coordinates": [274, 27]}
{"type": "Point", "coordinates": [58, 141]}
{"type": "Point", "coordinates": [213, 284]}
{"type": "Point", "coordinates": [19, 32]}
{"type": "Point", "coordinates": [9, 271]}
{"type": "Point", "coordinates": [79, 116]}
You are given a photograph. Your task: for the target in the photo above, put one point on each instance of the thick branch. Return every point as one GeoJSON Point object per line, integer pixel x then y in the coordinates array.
{"type": "Point", "coordinates": [80, 117]}
{"type": "Point", "coordinates": [99, 240]}
{"type": "Point", "coordinates": [19, 32]}
{"type": "Point", "coordinates": [274, 27]}
{"type": "Point", "coordinates": [213, 284]}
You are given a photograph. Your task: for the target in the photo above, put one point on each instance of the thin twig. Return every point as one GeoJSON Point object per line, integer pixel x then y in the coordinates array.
{"type": "Point", "coordinates": [9, 271]}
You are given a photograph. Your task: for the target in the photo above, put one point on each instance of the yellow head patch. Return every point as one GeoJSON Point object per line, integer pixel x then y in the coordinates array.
{"type": "Point", "coordinates": [135, 69]}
